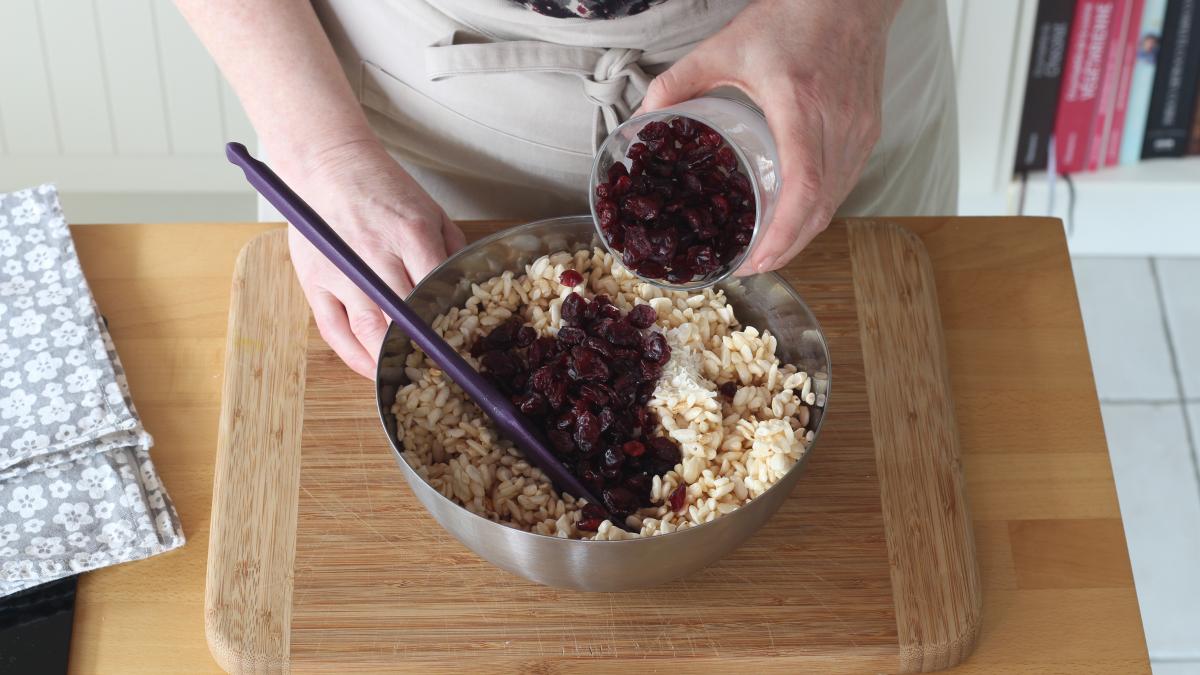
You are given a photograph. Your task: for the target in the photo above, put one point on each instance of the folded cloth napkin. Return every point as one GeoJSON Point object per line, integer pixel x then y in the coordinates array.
{"type": "Point", "coordinates": [77, 488]}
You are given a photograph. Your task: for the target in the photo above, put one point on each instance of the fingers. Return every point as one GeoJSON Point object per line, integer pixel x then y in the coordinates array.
{"type": "Point", "coordinates": [688, 78]}
{"type": "Point", "coordinates": [805, 205]}
{"type": "Point", "coordinates": [368, 325]}
{"type": "Point", "coordinates": [334, 326]}
{"type": "Point", "coordinates": [453, 236]}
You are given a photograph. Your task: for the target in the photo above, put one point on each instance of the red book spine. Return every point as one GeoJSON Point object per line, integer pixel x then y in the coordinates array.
{"type": "Point", "coordinates": [1108, 84]}
{"type": "Point", "coordinates": [1133, 28]}
{"type": "Point", "coordinates": [1078, 99]}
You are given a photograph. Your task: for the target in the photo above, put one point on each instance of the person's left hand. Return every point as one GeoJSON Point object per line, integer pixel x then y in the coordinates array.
{"type": "Point", "coordinates": [815, 67]}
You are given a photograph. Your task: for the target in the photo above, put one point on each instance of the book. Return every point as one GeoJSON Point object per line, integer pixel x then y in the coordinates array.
{"type": "Point", "coordinates": [1052, 27]}
{"type": "Point", "coordinates": [1173, 100]}
{"type": "Point", "coordinates": [1127, 54]}
{"type": "Point", "coordinates": [1101, 119]}
{"type": "Point", "coordinates": [1079, 97]}
{"type": "Point", "coordinates": [1142, 82]}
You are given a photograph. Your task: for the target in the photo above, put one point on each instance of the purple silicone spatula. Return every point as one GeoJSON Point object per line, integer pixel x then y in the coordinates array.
{"type": "Point", "coordinates": [493, 403]}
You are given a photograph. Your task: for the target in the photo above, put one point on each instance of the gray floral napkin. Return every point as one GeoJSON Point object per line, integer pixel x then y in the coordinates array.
{"type": "Point", "coordinates": [77, 488]}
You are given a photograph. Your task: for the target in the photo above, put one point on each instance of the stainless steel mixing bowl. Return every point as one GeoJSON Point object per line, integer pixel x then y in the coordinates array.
{"type": "Point", "coordinates": [764, 301]}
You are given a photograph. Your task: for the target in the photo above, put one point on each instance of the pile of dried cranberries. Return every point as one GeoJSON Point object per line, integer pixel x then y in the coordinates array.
{"type": "Point", "coordinates": [587, 389]}
{"type": "Point", "coordinates": [683, 209]}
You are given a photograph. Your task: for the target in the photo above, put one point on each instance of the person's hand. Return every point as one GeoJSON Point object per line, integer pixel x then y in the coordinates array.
{"type": "Point", "coordinates": [815, 67]}
{"type": "Point", "coordinates": [385, 216]}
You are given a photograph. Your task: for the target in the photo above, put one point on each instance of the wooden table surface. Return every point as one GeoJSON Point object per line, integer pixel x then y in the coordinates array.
{"type": "Point", "coordinates": [1058, 591]}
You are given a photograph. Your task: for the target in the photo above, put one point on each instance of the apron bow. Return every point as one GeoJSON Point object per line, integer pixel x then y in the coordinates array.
{"type": "Point", "coordinates": [613, 79]}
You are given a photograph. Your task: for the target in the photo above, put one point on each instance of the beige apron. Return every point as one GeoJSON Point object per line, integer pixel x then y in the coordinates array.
{"type": "Point", "coordinates": [496, 110]}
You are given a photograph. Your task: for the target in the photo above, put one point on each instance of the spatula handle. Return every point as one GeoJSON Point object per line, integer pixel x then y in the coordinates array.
{"type": "Point", "coordinates": [493, 402]}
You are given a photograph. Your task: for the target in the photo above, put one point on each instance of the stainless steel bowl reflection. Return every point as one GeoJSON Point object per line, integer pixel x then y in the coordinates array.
{"type": "Point", "coordinates": [765, 301]}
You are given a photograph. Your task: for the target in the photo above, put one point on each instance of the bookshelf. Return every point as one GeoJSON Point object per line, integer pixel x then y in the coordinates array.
{"type": "Point", "coordinates": [1150, 208]}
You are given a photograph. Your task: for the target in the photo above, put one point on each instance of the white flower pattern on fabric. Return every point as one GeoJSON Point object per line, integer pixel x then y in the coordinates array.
{"type": "Point", "coordinates": [59, 489]}
{"type": "Point", "coordinates": [27, 501]}
{"type": "Point", "coordinates": [28, 323]}
{"type": "Point", "coordinates": [74, 516]}
{"type": "Point", "coordinates": [44, 547]}
{"type": "Point", "coordinates": [73, 455]}
{"type": "Point", "coordinates": [57, 411]}
{"type": "Point", "coordinates": [18, 403]}
{"type": "Point", "coordinates": [96, 481]}
{"type": "Point", "coordinates": [43, 367]}
{"type": "Point", "coordinates": [117, 534]}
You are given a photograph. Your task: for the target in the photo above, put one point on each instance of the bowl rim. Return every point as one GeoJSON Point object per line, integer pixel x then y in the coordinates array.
{"type": "Point", "coordinates": [384, 408]}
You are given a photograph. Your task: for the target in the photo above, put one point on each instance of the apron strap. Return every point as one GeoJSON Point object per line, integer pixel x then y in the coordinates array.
{"type": "Point", "coordinates": [613, 79]}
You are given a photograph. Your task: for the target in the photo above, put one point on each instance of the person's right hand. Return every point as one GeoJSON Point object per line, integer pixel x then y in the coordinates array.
{"type": "Point", "coordinates": [389, 220]}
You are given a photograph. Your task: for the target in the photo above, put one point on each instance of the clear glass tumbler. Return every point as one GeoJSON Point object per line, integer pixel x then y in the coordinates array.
{"type": "Point", "coordinates": [743, 128]}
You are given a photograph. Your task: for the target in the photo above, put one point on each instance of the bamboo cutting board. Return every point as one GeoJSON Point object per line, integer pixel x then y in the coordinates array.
{"type": "Point", "coordinates": [320, 558]}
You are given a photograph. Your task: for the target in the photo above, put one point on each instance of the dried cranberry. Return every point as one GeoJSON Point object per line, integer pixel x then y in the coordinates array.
{"type": "Point", "coordinates": [531, 403]}
{"type": "Point", "coordinates": [587, 430]}
{"type": "Point", "coordinates": [586, 364]}
{"type": "Point", "coordinates": [620, 501]}
{"type": "Point", "coordinates": [499, 364]}
{"type": "Point", "coordinates": [643, 207]}
{"type": "Point", "coordinates": [589, 524]}
{"type": "Point", "coordinates": [623, 334]}
{"type": "Point", "coordinates": [598, 345]}
{"type": "Point", "coordinates": [586, 388]}
{"type": "Point", "coordinates": [652, 130]}
{"type": "Point", "coordinates": [725, 158]}
{"type": "Point", "coordinates": [665, 449]}
{"type": "Point", "coordinates": [655, 348]}
{"type": "Point", "coordinates": [683, 188]}
{"type": "Point", "coordinates": [639, 484]}
{"type": "Point", "coordinates": [613, 458]}
{"type": "Point", "coordinates": [570, 277]}
{"type": "Point", "coordinates": [526, 336]}
{"type": "Point", "coordinates": [571, 335]}
{"type": "Point", "coordinates": [650, 370]}
{"type": "Point", "coordinates": [561, 441]}
{"type": "Point", "coordinates": [703, 259]}
{"type": "Point", "coordinates": [642, 316]}
{"type": "Point", "coordinates": [709, 138]}
{"type": "Point", "coordinates": [504, 335]}
{"type": "Point", "coordinates": [634, 448]}
{"type": "Point", "coordinates": [572, 307]}
{"type": "Point", "coordinates": [678, 498]}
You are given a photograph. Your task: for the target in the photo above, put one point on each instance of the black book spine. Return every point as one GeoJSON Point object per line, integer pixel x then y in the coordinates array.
{"type": "Point", "coordinates": [1173, 101]}
{"type": "Point", "coordinates": [1051, 33]}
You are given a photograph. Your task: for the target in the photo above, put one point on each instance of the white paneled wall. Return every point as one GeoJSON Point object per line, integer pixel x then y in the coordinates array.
{"type": "Point", "coordinates": [117, 102]}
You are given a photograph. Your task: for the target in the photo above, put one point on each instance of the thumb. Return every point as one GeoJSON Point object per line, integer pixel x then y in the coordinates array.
{"type": "Point", "coordinates": [688, 78]}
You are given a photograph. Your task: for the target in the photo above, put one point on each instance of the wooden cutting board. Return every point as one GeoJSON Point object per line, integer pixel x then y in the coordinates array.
{"type": "Point", "coordinates": [320, 557]}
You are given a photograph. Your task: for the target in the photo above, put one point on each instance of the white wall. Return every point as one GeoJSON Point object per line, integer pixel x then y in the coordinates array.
{"type": "Point", "coordinates": [117, 102]}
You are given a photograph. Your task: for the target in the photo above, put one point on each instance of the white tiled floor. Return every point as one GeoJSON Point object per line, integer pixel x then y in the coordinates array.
{"type": "Point", "coordinates": [1142, 318]}
{"type": "Point", "coordinates": [1125, 326]}
{"type": "Point", "coordinates": [1181, 286]}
